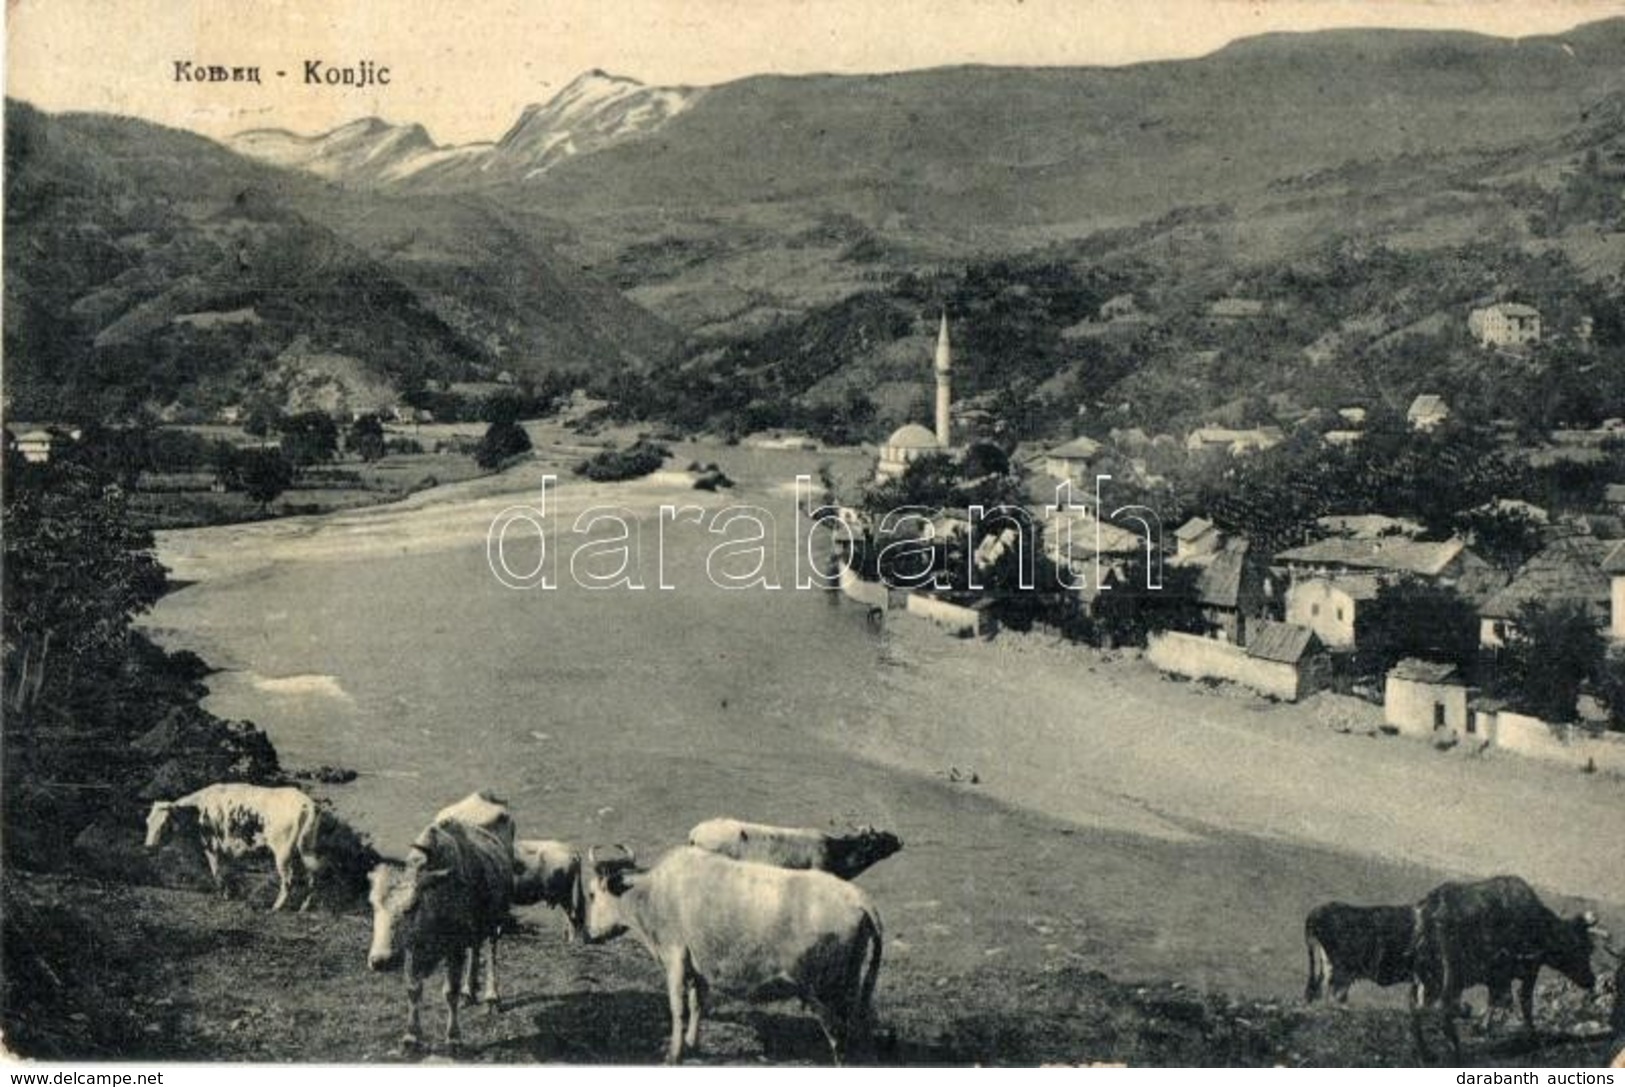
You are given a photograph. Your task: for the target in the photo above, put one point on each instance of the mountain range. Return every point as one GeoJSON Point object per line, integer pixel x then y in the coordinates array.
{"type": "Point", "coordinates": [624, 227]}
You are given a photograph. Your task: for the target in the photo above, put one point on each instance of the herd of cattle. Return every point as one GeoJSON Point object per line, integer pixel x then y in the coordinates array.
{"type": "Point", "coordinates": [768, 912]}
{"type": "Point", "coordinates": [746, 909]}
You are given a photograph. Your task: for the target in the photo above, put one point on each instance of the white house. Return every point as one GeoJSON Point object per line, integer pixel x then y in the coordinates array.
{"type": "Point", "coordinates": [1427, 411]}
{"type": "Point", "coordinates": [1614, 566]}
{"type": "Point", "coordinates": [1330, 605]}
{"type": "Point", "coordinates": [1506, 324]}
{"type": "Point", "coordinates": [1071, 461]}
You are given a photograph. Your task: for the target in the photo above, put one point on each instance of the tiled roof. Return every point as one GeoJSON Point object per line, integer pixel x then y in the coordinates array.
{"type": "Point", "coordinates": [1421, 671]}
{"type": "Point", "coordinates": [1076, 448]}
{"type": "Point", "coordinates": [1570, 569]}
{"type": "Point", "coordinates": [1219, 583]}
{"type": "Point", "coordinates": [1283, 642]}
{"type": "Point", "coordinates": [1193, 529]}
{"type": "Point", "coordinates": [1385, 553]}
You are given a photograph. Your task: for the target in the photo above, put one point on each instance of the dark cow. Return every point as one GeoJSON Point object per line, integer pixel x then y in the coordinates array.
{"type": "Point", "coordinates": [483, 811]}
{"type": "Point", "coordinates": [1347, 943]}
{"type": "Point", "coordinates": [1491, 933]}
{"type": "Point", "coordinates": [232, 820]}
{"type": "Point", "coordinates": [843, 855]}
{"type": "Point", "coordinates": [1617, 1020]}
{"type": "Point", "coordinates": [437, 908]}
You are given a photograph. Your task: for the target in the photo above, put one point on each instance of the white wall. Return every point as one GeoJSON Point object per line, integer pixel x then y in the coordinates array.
{"type": "Point", "coordinates": [1328, 611]}
{"type": "Point", "coordinates": [1204, 658]}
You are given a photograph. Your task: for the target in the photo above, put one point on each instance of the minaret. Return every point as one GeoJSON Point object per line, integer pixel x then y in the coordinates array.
{"type": "Point", "coordinates": [945, 364]}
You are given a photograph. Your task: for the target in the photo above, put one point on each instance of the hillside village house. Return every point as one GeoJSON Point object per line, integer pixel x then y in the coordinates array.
{"type": "Point", "coordinates": [1195, 538]}
{"type": "Point", "coordinates": [1367, 526]}
{"type": "Point", "coordinates": [1427, 411]}
{"type": "Point", "coordinates": [1330, 580]}
{"type": "Point", "coordinates": [1072, 460]}
{"type": "Point", "coordinates": [1233, 591]}
{"type": "Point", "coordinates": [39, 445]}
{"type": "Point", "coordinates": [1505, 324]}
{"type": "Point", "coordinates": [1234, 442]}
{"type": "Point", "coordinates": [1119, 307]}
{"type": "Point", "coordinates": [1569, 570]}
{"type": "Point", "coordinates": [1232, 310]}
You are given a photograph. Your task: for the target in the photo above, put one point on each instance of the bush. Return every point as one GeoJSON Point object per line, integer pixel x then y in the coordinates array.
{"type": "Point", "coordinates": [503, 440]}
{"type": "Point", "coordinates": [613, 466]}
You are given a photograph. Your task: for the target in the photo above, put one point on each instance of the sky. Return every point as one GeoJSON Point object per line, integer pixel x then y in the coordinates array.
{"type": "Point", "coordinates": [465, 69]}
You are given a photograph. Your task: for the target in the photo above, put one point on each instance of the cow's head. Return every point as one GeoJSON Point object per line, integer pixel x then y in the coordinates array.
{"type": "Point", "coordinates": [396, 892]}
{"type": "Point", "coordinates": [1571, 948]}
{"type": "Point", "coordinates": [877, 845]}
{"type": "Point", "coordinates": [167, 820]}
{"type": "Point", "coordinates": [603, 881]}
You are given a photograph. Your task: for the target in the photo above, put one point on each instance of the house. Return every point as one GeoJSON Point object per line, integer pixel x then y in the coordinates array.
{"type": "Point", "coordinates": [39, 445]}
{"type": "Point", "coordinates": [1194, 539]}
{"type": "Point", "coordinates": [1071, 461]}
{"type": "Point", "coordinates": [1281, 660]}
{"type": "Point", "coordinates": [1506, 324]}
{"type": "Point", "coordinates": [1440, 560]}
{"type": "Point", "coordinates": [1233, 590]}
{"type": "Point", "coordinates": [1613, 564]}
{"type": "Point", "coordinates": [1118, 307]}
{"type": "Point", "coordinates": [1342, 437]}
{"type": "Point", "coordinates": [1427, 698]}
{"type": "Point", "coordinates": [1569, 570]}
{"type": "Point", "coordinates": [1352, 416]}
{"type": "Point", "coordinates": [1293, 645]}
{"type": "Point", "coordinates": [1427, 411]}
{"type": "Point", "coordinates": [1613, 497]}
{"type": "Point", "coordinates": [1330, 606]}
{"type": "Point", "coordinates": [1231, 310]}
{"type": "Point", "coordinates": [1332, 579]}
{"type": "Point", "coordinates": [1234, 442]}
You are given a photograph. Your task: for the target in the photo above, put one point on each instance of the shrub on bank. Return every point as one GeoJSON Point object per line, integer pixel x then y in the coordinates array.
{"type": "Point", "coordinates": [635, 462]}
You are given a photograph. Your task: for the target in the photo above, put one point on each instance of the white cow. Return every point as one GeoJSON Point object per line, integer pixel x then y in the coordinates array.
{"type": "Point", "coordinates": [548, 872]}
{"type": "Point", "coordinates": [844, 855]}
{"type": "Point", "coordinates": [750, 930]}
{"type": "Point", "coordinates": [232, 820]}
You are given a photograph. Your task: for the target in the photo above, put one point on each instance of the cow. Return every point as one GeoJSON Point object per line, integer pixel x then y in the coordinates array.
{"type": "Point", "coordinates": [1491, 933]}
{"type": "Point", "coordinates": [231, 820]}
{"type": "Point", "coordinates": [748, 930]}
{"type": "Point", "coordinates": [483, 811]}
{"type": "Point", "coordinates": [843, 855]}
{"type": "Point", "coordinates": [437, 908]}
{"type": "Point", "coordinates": [1347, 943]}
{"type": "Point", "coordinates": [1616, 1022]}
{"type": "Point", "coordinates": [548, 872]}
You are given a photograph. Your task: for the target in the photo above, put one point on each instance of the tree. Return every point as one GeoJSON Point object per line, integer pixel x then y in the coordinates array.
{"type": "Point", "coordinates": [265, 473]}
{"type": "Point", "coordinates": [502, 440]}
{"type": "Point", "coordinates": [1553, 650]}
{"type": "Point", "coordinates": [1415, 618]}
{"type": "Point", "coordinates": [76, 572]}
{"type": "Point", "coordinates": [309, 437]}
{"type": "Point", "coordinates": [367, 437]}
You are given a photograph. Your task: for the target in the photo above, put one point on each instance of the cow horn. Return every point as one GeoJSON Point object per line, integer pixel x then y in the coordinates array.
{"type": "Point", "coordinates": [592, 856]}
{"type": "Point", "coordinates": [631, 858]}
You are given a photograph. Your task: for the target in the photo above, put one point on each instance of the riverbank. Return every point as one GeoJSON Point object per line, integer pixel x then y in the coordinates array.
{"type": "Point", "coordinates": [1064, 811]}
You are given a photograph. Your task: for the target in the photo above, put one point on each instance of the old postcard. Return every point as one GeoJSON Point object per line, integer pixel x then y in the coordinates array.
{"type": "Point", "coordinates": [957, 532]}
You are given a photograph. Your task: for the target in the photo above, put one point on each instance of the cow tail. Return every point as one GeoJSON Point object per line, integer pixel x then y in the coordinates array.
{"type": "Point", "coordinates": [871, 922]}
{"type": "Point", "coordinates": [1317, 970]}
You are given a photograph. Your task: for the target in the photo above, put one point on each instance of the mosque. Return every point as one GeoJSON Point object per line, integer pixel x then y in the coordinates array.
{"type": "Point", "coordinates": [912, 441]}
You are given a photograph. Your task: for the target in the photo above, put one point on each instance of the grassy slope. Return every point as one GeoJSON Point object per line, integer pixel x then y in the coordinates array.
{"type": "Point", "coordinates": [236, 983]}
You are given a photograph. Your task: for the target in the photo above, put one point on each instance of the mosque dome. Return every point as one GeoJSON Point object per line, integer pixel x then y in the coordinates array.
{"type": "Point", "coordinates": [912, 436]}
